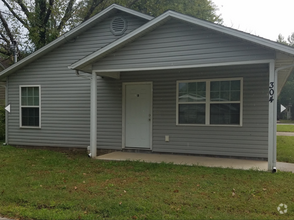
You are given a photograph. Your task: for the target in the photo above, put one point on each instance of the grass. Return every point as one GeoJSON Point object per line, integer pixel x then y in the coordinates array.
{"type": "Point", "coordinates": [285, 128]}
{"type": "Point", "coordinates": [41, 184]}
{"type": "Point", "coordinates": [286, 121]}
{"type": "Point", "coordinates": [285, 149]}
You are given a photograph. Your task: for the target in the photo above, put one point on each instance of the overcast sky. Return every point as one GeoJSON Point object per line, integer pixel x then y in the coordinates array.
{"type": "Point", "coordinates": [264, 18]}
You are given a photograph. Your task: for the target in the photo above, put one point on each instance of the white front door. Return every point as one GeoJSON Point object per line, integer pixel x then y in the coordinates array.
{"type": "Point", "coordinates": [138, 115]}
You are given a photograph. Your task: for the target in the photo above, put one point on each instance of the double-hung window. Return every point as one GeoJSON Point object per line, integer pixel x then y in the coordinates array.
{"type": "Point", "coordinates": [30, 115]}
{"type": "Point", "coordinates": [210, 102]}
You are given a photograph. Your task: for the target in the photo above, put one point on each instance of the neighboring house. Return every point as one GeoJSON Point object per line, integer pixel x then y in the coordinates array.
{"type": "Point", "coordinates": [4, 63]}
{"type": "Point", "coordinates": [2, 94]}
{"type": "Point", "coordinates": [173, 84]}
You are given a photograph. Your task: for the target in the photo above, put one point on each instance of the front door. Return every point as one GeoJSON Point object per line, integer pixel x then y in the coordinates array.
{"type": "Point", "coordinates": [138, 115]}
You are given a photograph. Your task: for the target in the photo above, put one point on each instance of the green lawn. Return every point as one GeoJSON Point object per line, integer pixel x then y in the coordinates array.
{"type": "Point", "coordinates": [285, 128]}
{"type": "Point", "coordinates": [285, 149]}
{"type": "Point", "coordinates": [286, 121]}
{"type": "Point", "coordinates": [40, 184]}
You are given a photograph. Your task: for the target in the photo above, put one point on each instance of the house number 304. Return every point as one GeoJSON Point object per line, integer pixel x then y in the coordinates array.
{"type": "Point", "coordinates": [271, 92]}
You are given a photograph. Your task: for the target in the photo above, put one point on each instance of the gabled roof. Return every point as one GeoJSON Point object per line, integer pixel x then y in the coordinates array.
{"type": "Point", "coordinates": [81, 64]}
{"type": "Point", "coordinates": [71, 34]}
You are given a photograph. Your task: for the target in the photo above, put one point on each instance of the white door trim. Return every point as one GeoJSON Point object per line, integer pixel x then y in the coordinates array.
{"type": "Point", "coordinates": [124, 111]}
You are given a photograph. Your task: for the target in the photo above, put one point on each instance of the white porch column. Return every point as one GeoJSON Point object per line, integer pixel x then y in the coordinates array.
{"type": "Point", "coordinates": [93, 116]}
{"type": "Point", "coordinates": [272, 117]}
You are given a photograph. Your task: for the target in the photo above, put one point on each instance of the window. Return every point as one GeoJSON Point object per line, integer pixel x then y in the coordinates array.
{"type": "Point", "coordinates": [30, 106]}
{"type": "Point", "coordinates": [210, 102]}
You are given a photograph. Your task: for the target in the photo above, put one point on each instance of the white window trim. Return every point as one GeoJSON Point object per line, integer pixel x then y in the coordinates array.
{"type": "Point", "coordinates": [207, 102]}
{"type": "Point", "coordinates": [20, 107]}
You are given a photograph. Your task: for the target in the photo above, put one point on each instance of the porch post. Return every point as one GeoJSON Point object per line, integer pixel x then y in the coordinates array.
{"type": "Point", "coordinates": [272, 118]}
{"type": "Point", "coordinates": [93, 116]}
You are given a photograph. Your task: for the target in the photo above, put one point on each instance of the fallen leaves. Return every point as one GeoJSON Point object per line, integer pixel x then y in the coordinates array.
{"type": "Point", "coordinates": [233, 192]}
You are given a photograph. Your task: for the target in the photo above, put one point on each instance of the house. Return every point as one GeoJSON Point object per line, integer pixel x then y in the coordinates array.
{"type": "Point", "coordinates": [4, 63]}
{"type": "Point", "coordinates": [172, 84]}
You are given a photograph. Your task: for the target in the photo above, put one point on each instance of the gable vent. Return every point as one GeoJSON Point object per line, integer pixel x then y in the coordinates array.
{"type": "Point", "coordinates": [118, 26]}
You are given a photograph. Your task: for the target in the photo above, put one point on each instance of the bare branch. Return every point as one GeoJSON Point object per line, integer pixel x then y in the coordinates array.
{"type": "Point", "coordinates": [15, 15]}
{"type": "Point", "coordinates": [67, 15]}
{"type": "Point", "coordinates": [49, 10]}
{"type": "Point", "coordinates": [24, 8]}
{"type": "Point", "coordinates": [90, 10]}
{"type": "Point", "coordinates": [7, 29]}
{"type": "Point", "coordinates": [4, 38]}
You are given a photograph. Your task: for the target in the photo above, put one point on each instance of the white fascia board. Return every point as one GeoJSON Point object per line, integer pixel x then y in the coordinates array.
{"type": "Point", "coordinates": [67, 36]}
{"type": "Point", "coordinates": [171, 14]}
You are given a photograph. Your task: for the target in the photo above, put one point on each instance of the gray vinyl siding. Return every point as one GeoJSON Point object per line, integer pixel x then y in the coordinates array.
{"type": "Point", "coordinates": [65, 98]}
{"type": "Point", "coordinates": [177, 43]}
{"type": "Point", "coordinates": [250, 140]}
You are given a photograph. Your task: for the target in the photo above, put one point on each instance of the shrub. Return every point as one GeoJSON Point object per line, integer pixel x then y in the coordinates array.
{"type": "Point", "coordinates": [2, 123]}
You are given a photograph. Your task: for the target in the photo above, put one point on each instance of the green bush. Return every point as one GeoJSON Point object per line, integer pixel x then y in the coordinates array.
{"type": "Point", "coordinates": [2, 123]}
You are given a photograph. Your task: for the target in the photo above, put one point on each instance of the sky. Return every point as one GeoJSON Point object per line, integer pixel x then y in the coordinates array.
{"type": "Point", "coordinates": [264, 18]}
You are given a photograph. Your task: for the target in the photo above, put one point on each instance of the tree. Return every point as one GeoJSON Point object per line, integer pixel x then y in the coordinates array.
{"type": "Point", "coordinates": [289, 41]}
{"type": "Point", "coordinates": [203, 9]}
{"type": "Point", "coordinates": [286, 96]}
{"type": "Point", "coordinates": [33, 24]}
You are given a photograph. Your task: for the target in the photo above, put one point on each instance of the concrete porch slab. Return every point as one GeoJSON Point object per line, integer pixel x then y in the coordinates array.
{"type": "Point", "coordinates": [187, 160]}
